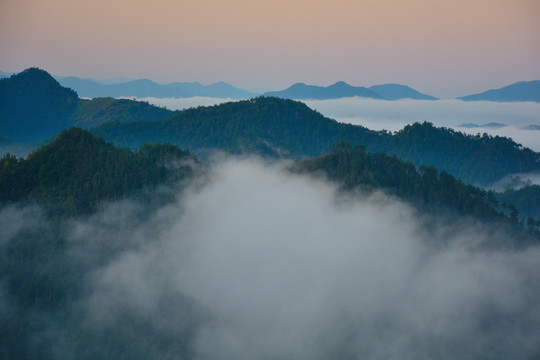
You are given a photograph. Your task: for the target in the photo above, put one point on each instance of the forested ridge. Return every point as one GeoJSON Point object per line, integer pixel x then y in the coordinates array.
{"type": "Point", "coordinates": [34, 107]}
{"type": "Point", "coordinates": [65, 180]}
{"type": "Point", "coordinates": [286, 128]}
{"type": "Point", "coordinates": [426, 188]}
{"type": "Point", "coordinates": [43, 282]}
{"type": "Point", "coordinates": [78, 170]}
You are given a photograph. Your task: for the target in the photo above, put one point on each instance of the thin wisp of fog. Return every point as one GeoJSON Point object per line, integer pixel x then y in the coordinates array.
{"type": "Point", "coordinates": [262, 264]}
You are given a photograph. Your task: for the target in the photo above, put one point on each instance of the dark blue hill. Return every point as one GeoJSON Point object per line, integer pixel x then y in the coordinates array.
{"type": "Point", "coordinates": [397, 92]}
{"type": "Point", "coordinates": [338, 90]}
{"type": "Point", "coordinates": [520, 91]}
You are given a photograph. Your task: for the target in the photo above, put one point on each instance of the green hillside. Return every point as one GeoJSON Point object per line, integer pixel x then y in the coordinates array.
{"type": "Point", "coordinates": [77, 171]}
{"type": "Point", "coordinates": [426, 188]}
{"type": "Point", "coordinates": [287, 128]}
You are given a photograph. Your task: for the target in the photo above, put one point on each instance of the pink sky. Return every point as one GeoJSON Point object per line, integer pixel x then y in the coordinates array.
{"type": "Point", "coordinates": [446, 48]}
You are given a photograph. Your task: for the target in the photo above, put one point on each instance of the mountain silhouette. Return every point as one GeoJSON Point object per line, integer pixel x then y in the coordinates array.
{"type": "Point", "coordinates": [397, 92]}
{"type": "Point", "coordinates": [520, 91]}
{"type": "Point", "coordinates": [340, 89]}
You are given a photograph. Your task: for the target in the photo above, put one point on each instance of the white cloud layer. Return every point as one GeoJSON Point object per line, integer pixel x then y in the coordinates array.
{"type": "Point", "coordinates": [394, 115]}
{"type": "Point", "coordinates": [282, 266]}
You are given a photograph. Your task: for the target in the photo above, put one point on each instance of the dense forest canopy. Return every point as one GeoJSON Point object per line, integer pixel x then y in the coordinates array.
{"type": "Point", "coordinates": [425, 187]}
{"type": "Point", "coordinates": [34, 107]}
{"type": "Point", "coordinates": [286, 128]}
{"type": "Point", "coordinates": [78, 170]}
{"type": "Point", "coordinates": [63, 241]}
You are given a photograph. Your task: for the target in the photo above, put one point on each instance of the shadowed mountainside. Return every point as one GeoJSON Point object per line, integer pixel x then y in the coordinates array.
{"type": "Point", "coordinates": [34, 106]}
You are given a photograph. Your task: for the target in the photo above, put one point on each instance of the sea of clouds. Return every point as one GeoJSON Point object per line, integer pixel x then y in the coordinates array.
{"type": "Point", "coordinates": [518, 118]}
{"type": "Point", "coordinates": [263, 264]}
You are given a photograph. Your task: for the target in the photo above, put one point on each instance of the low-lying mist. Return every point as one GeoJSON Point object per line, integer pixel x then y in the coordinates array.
{"type": "Point", "coordinates": [394, 115]}
{"type": "Point", "coordinates": [257, 263]}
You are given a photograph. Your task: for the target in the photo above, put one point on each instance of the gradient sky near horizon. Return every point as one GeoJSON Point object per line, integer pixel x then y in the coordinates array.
{"type": "Point", "coordinates": [445, 48]}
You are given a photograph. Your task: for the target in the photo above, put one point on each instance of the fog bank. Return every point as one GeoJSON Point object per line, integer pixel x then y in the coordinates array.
{"type": "Point", "coordinates": [394, 115]}
{"type": "Point", "coordinates": [280, 266]}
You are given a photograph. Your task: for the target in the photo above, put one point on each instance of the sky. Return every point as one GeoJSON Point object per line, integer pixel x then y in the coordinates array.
{"type": "Point", "coordinates": [446, 48]}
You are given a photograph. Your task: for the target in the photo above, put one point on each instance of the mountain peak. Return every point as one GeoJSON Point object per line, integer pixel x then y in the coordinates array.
{"type": "Point", "coordinates": [35, 74]}
{"type": "Point", "coordinates": [340, 84]}
{"type": "Point", "coordinates": [338, 90]}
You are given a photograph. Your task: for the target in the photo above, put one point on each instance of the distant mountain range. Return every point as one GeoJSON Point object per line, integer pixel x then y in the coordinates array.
{"type": "Point", "coordinates": [124, 87]}
{"type": "Point", "coordinates": [146, 88]}
{"type": "Point", "coordinates": [397, 92]}
{"type": "Point", "coordinates": [300, 91]}
{"type": "Point", "coordinates": [520, 91]}
{"type": "Point", "coordinates": [341, 89]}
{"type": "Point", "coordinates": [34, 107]}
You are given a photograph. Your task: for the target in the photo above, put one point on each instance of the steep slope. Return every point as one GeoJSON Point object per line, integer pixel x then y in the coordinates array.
{"type": "Point", "coordinates": [79, 170]}
{"type": "Point", "coordinates": [281, 127]}
{"type": "Point", "coordinates": [34, 107]}
{"type": "Point", "coordinates": [335, 91]}
{"type": "Point", "coordinates": [426, 188]}
{"type": "Point", "coordinates": [520, 91]}
{"type": "Point", "coordinates": [397, 91]}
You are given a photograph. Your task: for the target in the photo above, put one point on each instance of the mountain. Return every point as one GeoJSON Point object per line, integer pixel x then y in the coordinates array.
{"type": "Point", "coordinates": [146, 88]}
{"type": "Point", "coordinates": [286, 128]}
{"type": "Point", "coordinates": [4, 74]}
{"type": "Point", "coordinates": [396, 92]}
{"type": "Point", "coordinates": [425, 188]}
{"type": "Point", "coordinates": [338, 90]}
{"type": "Point", "coordinates": [77, 171]}
{"type": "Point", "coordinates": [34, 106]}
{"type": "Point", "coordinates": [68, 265]}
{"type": "Point", "coordinates": [520, 91]}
